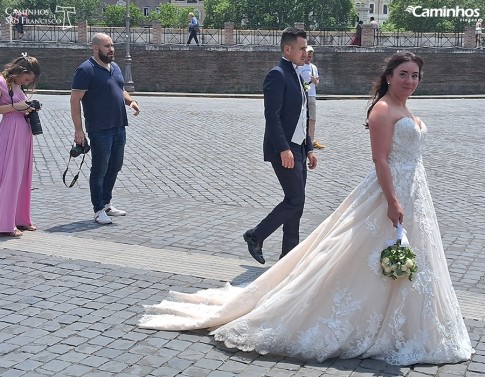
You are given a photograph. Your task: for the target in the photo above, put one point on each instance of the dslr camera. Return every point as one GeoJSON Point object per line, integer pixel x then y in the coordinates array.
{"type": "Point", "coordinates": [33, 117]}
{"type": "Point", "coordinates": [79, 149]}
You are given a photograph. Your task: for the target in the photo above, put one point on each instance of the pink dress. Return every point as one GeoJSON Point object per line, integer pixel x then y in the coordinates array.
{"type": "Point", "coordinates": [16, 161]}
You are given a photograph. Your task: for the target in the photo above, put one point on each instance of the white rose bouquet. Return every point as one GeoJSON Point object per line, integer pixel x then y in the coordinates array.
{"type": "Point", "coordinates": [398, 260]}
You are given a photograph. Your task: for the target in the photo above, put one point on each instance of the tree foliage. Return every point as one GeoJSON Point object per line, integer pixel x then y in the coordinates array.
{"type": "Point", "coordinates": [401, 19]}
{"type": "Point", "coordinates": [171, 15]}
{"type": "Point", "coordinates": [278, 14]}
{"type": "Point", "coordinates": [115, 15]}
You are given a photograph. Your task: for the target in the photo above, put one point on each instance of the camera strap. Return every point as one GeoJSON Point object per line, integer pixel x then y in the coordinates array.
{"type": "Point", "coordinates": [74, 180]}
{"type": "Point", "coordinates": [10, 93]}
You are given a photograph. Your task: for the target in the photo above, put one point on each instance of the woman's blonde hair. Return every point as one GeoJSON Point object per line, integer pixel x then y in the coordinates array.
{"type": "Point", "coordinates": [19, 66]}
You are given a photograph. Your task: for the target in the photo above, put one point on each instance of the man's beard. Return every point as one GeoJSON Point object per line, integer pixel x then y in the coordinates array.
{"type": "Point", "coordinates": [105, 58]}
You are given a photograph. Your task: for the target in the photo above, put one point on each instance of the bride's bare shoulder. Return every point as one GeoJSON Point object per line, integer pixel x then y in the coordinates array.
{"type": "Point", "coordinates": [382, 115]}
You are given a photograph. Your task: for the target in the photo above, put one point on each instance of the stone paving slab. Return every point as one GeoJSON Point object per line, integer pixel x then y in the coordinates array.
{"type": "Point", "coordinates": [136, 256]}
{"type": "Point", "coordinates": [63, 317]}
{"type": "Point", "coordinates": [176, 262]}
{"type": "Point", "coordinates": [71, 294]}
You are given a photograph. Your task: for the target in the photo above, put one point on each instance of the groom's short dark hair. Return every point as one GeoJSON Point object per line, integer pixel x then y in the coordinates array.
{"type": "Point", "coordinates": [290, 35]}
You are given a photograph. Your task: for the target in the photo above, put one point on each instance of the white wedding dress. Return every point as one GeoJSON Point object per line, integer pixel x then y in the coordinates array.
{"type": "Point", "coordinates": [328, 297]}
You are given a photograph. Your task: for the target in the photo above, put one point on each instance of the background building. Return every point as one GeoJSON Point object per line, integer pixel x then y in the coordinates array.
{"type": "Point", "coordinates": [379, 9]}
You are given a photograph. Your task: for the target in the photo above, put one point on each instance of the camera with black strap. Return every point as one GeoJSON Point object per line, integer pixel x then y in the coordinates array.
{"type": "Point", "coordinates": [76, 150]}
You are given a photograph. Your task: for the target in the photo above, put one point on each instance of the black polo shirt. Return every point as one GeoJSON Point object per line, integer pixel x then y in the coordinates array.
{"type": "Point", "coordinates": [103, 103]}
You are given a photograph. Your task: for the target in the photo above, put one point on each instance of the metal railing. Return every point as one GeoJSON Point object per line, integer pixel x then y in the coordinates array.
{"type": "Point", "coordinates": [56, 34]}
{"type": "Point", "coordinates": [214, 37]}
{"type": "Point", "coordinates": [339, 37]}
{"type": "Point", "coordinates": [257, 37]}
{"type": "Point", "coordinates": [418, 39]}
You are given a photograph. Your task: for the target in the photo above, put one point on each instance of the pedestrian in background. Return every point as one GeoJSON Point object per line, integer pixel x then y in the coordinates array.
{"type": "Point", "coordinates": [357, 40]}
{"type": "Point", "coordinates": [478, 33]}
{"type": "Point", "coordinates": [99, 85]}
{"type": "Point", "coordinates": [16, 145]}
{"type": "Point", "coordinates": [374, 24]}
{"type": "Point", "coordinates": [193, 29]}
{"type": "Point", "coordinates": [309, 74]}
{"type": "Point", "coordinates": [375, 30]}
{"type": "Point", "coordinates": [20, 19]}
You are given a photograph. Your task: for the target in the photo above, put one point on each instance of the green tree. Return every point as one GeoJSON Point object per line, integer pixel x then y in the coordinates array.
{"type": "Point", "coordinates": [168, 15]}
{"type": "Point", "coordinates": [220, 11]}
{"type": "Point", "coordinates": [399, 18]}
{"type": "Point", "coordinates": [86, 10]}
{"type": "Point", "coordinates": [171, 15]}
{"type": "Point", "coordinates": [115, 15]}
{"type": "Point", "coordinates": [278, 14]}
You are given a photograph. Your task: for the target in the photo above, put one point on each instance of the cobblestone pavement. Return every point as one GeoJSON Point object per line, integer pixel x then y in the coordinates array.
{"type": "Point", "coordinates": [193, 181]}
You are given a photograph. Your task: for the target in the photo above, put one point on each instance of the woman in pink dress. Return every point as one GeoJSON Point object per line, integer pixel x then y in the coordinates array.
{"type": "Point", "coordinates": [16, 156]}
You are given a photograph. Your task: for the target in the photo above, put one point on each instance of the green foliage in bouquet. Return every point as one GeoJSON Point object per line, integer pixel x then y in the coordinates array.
{"type": "Point", "coordinates": [398, 261]}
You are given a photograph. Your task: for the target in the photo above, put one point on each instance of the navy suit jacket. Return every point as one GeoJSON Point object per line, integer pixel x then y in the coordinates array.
{"type": "Point", "coordinates": [282, 107]}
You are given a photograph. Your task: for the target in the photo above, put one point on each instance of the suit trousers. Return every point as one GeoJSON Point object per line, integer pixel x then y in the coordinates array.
{"type": "Point", "coordinates": [288, 213]}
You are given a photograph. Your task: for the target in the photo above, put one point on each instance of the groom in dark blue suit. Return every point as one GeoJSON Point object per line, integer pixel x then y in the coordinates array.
{"type": "Point", "coordinates": [287, 144]}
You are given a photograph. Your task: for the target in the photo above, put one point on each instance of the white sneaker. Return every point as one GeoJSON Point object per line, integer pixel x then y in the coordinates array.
{"type": "Point", "coordinates": [113, 211]}
{"type": "Point", "coordinates": [102, 218]}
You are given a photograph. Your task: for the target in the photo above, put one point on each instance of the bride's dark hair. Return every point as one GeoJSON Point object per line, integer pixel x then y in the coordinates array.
{"type": "Point", "coordinates": [381, 87]}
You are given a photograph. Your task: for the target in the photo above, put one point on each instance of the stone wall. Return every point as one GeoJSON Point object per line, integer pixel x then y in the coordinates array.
{"type": "Point", "coordinates": [343, 70]}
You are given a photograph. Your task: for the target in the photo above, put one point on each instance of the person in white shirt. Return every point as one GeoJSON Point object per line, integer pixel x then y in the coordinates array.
{"type": "Point", "coordinates": [375, 29]}
{"type": "Point", "coordinates": [309, 74]}
{"type": "Point", "coordinates": [478, 32]}
{"type": "Point", "coordinates": [374, 24]}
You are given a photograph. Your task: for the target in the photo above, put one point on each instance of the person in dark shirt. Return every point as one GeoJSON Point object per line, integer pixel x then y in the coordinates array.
{"type": "Point", "coordinates": [99, 85]}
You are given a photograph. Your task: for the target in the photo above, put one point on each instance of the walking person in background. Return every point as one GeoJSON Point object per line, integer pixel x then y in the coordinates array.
{"type": "Point", "coordinates": [16, 146]}
{"type": "Point", "coordinates": [309, 74]}
{"type": "Point", "coordinates": [374, 24]}
{"type": "Point", "coordinates": [98, 85]}
{"type": "Point", "coordinates": [20, 20]}
{"type": "Point", "coordinates": [478, 33]}
{"type": "Point", "coordinates": [375, 29]}
{"type": "Point", "coordinates": [287, 144]}
{"type": "Point", "coordinates": [193, 29]}
{"type": "Point", "coordinates": [357, 40]}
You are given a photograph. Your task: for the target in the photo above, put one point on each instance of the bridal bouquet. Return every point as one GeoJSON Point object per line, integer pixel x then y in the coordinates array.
{"type": "Point", "coordinates": [398, 260]}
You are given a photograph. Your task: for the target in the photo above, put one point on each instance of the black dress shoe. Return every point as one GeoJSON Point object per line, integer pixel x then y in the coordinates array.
{"type": "Point", "coordinates": [255, 247]}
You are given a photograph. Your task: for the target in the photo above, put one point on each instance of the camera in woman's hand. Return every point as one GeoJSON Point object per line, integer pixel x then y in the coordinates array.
{"type": "Point", "coordinates": [36, 105]}
{"type": "Point", "coordinates": [33, 117]}
{"type": "Point", "coordinates": [79, 149]}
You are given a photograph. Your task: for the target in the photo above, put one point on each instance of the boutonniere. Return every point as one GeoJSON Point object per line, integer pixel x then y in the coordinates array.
{"type": "Point", "coordinates": [306, 86]}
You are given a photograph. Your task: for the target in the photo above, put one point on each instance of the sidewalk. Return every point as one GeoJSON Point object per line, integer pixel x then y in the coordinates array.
{"type": "Point", "coordinates": [72, 292]}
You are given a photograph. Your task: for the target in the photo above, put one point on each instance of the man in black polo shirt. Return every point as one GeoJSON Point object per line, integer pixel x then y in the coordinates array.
{"type": "Point", "coordinates": [99, 85]}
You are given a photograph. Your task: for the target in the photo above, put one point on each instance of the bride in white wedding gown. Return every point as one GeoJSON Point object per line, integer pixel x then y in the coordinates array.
{"type": "Point", "coordinates": [328, 297]}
